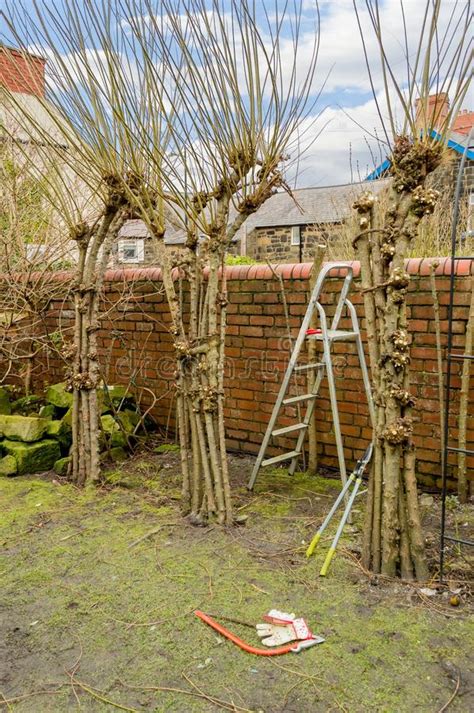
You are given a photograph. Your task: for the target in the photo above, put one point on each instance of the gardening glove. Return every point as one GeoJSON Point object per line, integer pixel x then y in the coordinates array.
{"type": "Point", "coordinates": [281, 628]}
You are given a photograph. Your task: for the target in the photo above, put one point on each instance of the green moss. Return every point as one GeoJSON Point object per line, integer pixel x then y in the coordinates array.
{"type": "Point", "coordinates": [57, 395]}
{"type": "Point", "coordinates": [123, 572]}
{"type": "Point", "coordinates": [167, 448]}
{"type": "Point", "coordinates": [23, 428]}
{"type": "Point", "coordinates": [8, 466]}
{"type": "Point", "coordinates": [33, 457]}
{"type": "Point", "coordinates": [5, 406]}
{"type": "Point", "coordinates": [61, 466]}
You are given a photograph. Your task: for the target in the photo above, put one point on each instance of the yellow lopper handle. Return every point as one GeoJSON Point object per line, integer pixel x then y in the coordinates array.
{"type": "Point", "coordinates": [327, 561]}
{"type": "Point", "coordinates": [312, 544]}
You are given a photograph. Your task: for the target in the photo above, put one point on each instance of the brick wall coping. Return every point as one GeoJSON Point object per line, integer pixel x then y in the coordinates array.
{"type": "Point", "coordinates": [294, 271]}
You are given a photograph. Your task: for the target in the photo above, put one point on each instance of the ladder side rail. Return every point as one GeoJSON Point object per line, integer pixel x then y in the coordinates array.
{"type": "Point", "coordinates": [362, 362]}
{"type": "Point", "coordinates": [323, 273]}
{"type": "Point", "coordinates": [317, 383]}
{"type": "Point", "coordinates": [286, 379]}
{"type": "Point", "coordinates": [313, 303]}
{"type": "Point", "coordinates": [334, 410]}
{"type": "Point", "coordinates": [342, 298]}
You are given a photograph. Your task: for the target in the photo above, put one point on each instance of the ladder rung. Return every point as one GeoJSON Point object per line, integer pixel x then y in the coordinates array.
{"type": "Point", "coordinates": [335, 335]}
{"type": "Point", "coordinates": [295, 399]}
{"type": "Point", "coordinates": [278, 459]}
{"type": "Point", "coordinates": [466, 451]}
{"type": "Point", "coordinates": [305, 367]}
{"type": "Point", "coordinates": [289, 429]}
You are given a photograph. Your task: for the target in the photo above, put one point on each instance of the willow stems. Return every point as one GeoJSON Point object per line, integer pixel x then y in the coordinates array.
{"type": "Point", "coordinates": [406, 567]}
{"type": "Point", "coordinates": [464, 401]}
{"type": "Point", "coordinates": [94, 251]}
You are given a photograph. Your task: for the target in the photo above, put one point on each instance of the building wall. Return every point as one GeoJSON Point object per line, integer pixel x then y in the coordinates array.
{"type": "Point", "coordinates": [274, 243]}
{"type": "Point", "coordinates": [135, 344]}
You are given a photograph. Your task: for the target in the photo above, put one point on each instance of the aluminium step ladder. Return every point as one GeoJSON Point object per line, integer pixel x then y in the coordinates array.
{"type": "Point", "coordinates": [328, 337]}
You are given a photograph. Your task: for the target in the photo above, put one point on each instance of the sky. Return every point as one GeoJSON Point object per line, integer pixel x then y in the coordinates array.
{"type": "Point", "coordinates": [342, 143]}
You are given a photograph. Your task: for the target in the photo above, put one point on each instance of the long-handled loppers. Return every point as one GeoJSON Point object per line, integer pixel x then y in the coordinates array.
{"type": "Point", "coordinates": [356, 478]}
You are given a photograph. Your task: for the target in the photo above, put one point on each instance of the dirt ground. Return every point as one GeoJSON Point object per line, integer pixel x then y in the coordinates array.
{"type": "Point", "coordinates": [99, 590]}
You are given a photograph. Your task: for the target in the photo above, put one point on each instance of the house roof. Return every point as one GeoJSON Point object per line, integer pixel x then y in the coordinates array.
{"type": "Point", "coordinates": [136, 228]}
{"type": "Point", "coordinates": [327, 204]}
{"type": "Point", "coordinates": [308, 206]}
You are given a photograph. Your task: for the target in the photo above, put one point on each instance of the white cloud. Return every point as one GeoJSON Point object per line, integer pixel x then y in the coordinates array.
{"type": "Point", "coordinates": [345, 151]}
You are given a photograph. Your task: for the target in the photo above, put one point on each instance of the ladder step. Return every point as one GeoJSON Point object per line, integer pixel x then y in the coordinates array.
{"type": "Point", "coordinates": [295, 399]}
{"type": "Point", "coordinates": [335, 335]}
{"type": "Point", "coordinates": [306, 367]}
{"type": "Point", "coordinates": [278, 459]}
{"type": "Point", "coordinates": [289, 429]}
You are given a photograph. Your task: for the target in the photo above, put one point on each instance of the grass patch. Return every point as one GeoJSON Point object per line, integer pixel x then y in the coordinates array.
{"type": "Point", "coordinates": [109, 580]}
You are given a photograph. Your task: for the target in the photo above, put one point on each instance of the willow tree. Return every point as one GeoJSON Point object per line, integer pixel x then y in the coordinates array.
{"type": "Point", "coordinates": [70, 140]}
{"type": "Point", "coordinates": [192, 108]}
{"type": "Point", "coordinates": [438, 62]}
{"type": "Point", "coordinates": [230, 105]}
{"type": "Point", "coordinates": [31, 249]}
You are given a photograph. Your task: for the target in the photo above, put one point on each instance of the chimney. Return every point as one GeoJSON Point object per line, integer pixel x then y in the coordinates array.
{"type": "Point", "coordinates": [431, 113]}
{"type": "Point", "coordinates": [22, 72]}
{"type": "Point", "coordinates": [464, 121]}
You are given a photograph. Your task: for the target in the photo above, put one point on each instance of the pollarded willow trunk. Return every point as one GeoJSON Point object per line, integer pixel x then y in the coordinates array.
{"type": "Point", "coordinates": [199, 340]}
{"type": "Point", "coordinates": [393, 539]}
{"type": "Point", "coordinates": [198, 327]}
{"type": "Point", "coordinates": [94, 245]}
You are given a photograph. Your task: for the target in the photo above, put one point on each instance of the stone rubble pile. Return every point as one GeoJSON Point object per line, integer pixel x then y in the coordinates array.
{"type": "Point", "coordinates": [41, 440]}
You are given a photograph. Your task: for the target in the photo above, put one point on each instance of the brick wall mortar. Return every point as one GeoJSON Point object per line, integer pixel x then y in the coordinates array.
{"type": "Point", "coordinates": [136, 342]}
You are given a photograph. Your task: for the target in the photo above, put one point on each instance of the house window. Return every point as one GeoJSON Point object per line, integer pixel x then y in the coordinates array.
{"type": "Point", "coordinates": [296, 235]}
{"type": "Point", "coordinates": [131, 250]}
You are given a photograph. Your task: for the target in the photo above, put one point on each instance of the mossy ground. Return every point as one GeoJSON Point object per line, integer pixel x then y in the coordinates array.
{"type": "Point", "coordinates": [103, 584]}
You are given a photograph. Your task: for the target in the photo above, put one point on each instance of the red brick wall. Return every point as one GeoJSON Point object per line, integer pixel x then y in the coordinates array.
{"type": "Point", "coordinates": [21, 73]}
{"type": "Point", "coordinates": [135, 341]}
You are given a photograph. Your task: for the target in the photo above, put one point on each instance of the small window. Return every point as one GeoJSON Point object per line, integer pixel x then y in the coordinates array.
{"type": "Point", "coordinates": [132, 250]}
{"type": "Point", "coordinates": [296, 235]}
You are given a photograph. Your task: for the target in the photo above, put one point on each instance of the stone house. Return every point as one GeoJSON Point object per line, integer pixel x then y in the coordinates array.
{"type": "Point", "coordinates": [286, 228]}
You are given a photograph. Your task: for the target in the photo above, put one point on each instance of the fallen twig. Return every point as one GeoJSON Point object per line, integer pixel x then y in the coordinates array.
{"type": "Point", "coordinates": [453, 696]}
{"type": "Point", "coordinates": [184, 692]}
{"type": "Point", "coordinates": [24, 696]}
{"type": "Point", "coordinates": [100, 697]}
{"type": "Point", "coordinates": [151, 533]}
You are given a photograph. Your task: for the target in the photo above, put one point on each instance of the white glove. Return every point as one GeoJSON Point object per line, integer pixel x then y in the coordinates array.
{"type": "Point", "coordinates": [281, 628]}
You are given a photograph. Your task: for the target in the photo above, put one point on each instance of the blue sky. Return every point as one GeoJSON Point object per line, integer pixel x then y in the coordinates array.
{"type": "Point", "coordinates": [343, 151]}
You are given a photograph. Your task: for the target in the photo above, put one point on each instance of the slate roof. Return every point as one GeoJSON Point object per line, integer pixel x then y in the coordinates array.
{"type": "Point", "coordinates": [136, 228]}
{"type": "Point", "coordinates": [327, 204]}
{"type": "Point", "coordinates": [310, 206]}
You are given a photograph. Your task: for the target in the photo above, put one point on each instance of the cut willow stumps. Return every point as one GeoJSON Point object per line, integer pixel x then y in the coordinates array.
{"type": "Point", "coordinates": [393, 540]}
{"type": "Point", "coordinates": [94, 242]}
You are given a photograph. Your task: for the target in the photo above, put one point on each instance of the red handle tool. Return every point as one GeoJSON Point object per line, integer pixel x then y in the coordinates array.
{"type": "Point", "coordinates": [293, 648]}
